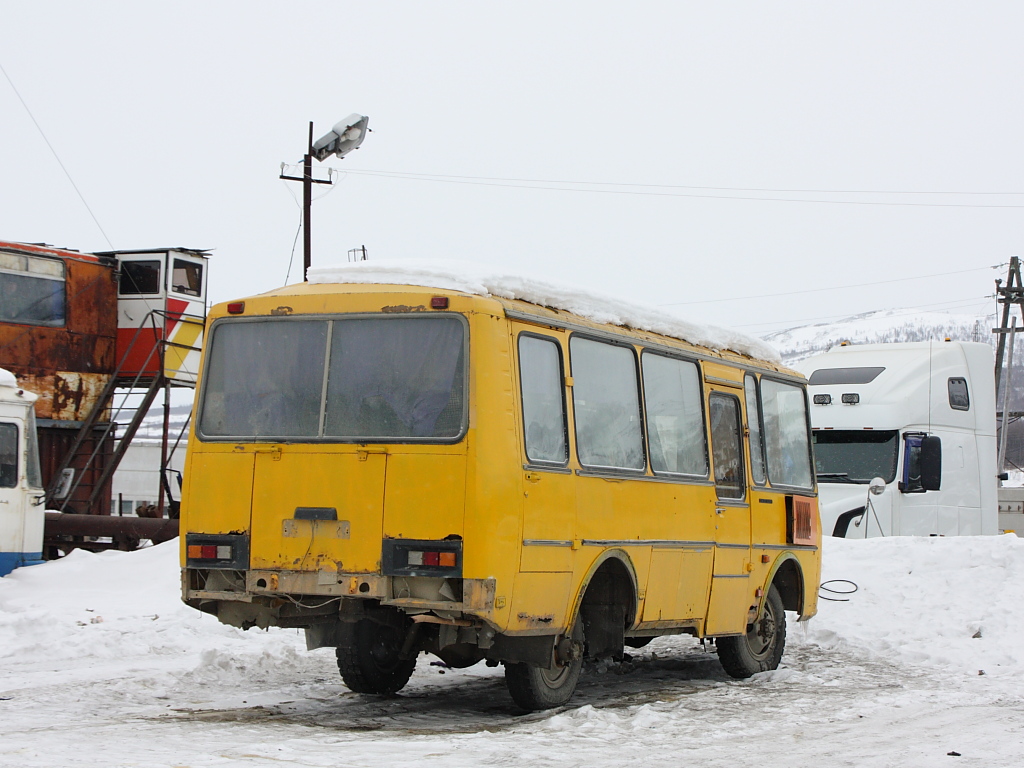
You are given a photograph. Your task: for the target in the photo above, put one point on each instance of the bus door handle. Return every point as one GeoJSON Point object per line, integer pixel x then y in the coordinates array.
{"type": "Point", "coordinates": [532, 477]}
{"type": "Point", "coordinates": [719, 510]}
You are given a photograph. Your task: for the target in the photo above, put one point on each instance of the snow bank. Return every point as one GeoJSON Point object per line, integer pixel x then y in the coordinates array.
{"type": "Point", "coordinates": [947, 602]}
{"type": "Point", "coordinates": [112, 606]}
{"type": "Point", "coordinates": [600, 308]}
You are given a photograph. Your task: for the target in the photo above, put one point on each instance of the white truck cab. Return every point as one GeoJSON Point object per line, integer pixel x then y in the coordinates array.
{"type": "Point", "coordinates": [21, 492]}
{"type": "Point", "coordinates": [920, 416]}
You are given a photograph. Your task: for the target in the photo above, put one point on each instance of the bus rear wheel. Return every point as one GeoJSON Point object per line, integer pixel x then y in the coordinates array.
{"type": "Point", "coordinates": [761, 648]}
{"type": "Point", "coordinates": [533, 688]}
{"type": "Point", "coordinates": [370, 659]}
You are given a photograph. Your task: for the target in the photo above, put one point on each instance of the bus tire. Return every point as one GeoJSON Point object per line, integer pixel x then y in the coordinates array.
{"type": "Point", "coordinates": [369, 658]}
{"type": "Point", "coordinates": [760, 649]}
{"type": "Point", "coordinates": [533, 688]}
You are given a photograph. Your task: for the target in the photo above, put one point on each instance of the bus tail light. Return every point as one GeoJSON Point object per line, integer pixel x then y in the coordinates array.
{"type": "Point", "coordinates": [406, 557]}
{"type": "Point", "coordinates": [212, 551]}
{"type": "Point", "coordinates": [209, 552]}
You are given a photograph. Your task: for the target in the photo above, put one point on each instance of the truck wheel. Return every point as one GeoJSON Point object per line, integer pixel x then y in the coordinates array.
{"type": "Point", "coordinates": [533, 688]}
{"type": "Point", "coordinates": [369, 660]}
{"type": "Point", "coordinates": [761, 648]}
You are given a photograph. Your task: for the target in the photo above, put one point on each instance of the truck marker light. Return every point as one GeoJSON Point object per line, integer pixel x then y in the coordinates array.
{"type": "Point", "coordinates": [431, 558]}
{"type": "Point", "coordinates": [236, 307]}
{"type": "Point", "coordinates": [823, 399]}
{"type": "Point", "coordinates": [439, 302]}
{"type": "Point", "coordinates": [415, 558]}
{"type": "Point", "coordinates": [851, 398]}
{"type": "Point", "coordinates": [447, 559]}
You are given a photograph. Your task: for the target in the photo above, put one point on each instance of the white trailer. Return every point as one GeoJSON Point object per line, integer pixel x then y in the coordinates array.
{"type": "Point", "coordinates": [21, 485]}
{"type": "Point", "coordinates": [920, 416]}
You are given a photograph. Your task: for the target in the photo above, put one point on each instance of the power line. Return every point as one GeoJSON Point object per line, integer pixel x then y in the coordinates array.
{"type": "Point", "coordinates": [402, 174]}
{"type": "Point", "coordinates": [57, 157]}
{"type": "Point", "coordinates": [549, 186]}
{"type": "Point", "coordinates": [833, 288]}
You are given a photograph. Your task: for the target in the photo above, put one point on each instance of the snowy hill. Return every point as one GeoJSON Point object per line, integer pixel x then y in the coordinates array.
{"type": "Point", "coordinates": [887, 326]}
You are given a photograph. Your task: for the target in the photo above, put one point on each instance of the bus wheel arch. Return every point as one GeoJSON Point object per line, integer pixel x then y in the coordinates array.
{"type": "Point", "coordinates": [788, 578]}
{"type": "Point", "coordinates": [607, 604]}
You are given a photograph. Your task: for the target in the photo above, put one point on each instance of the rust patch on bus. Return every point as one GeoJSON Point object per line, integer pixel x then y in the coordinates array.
{"type": "Point", "coordinates": [404, 308]}
{"type": "Point", "coordinates": [282, 311]}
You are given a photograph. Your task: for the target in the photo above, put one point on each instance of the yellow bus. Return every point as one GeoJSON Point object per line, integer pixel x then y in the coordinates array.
{"type": "Point", "coordinates": [401, 469]}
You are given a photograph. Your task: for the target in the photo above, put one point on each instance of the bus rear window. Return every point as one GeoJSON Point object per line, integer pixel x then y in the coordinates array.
{"type": "Point", "coordinates": [358, 379]}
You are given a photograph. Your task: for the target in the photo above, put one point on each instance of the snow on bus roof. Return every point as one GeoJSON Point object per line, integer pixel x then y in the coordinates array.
{"type": "Point", "coordinates": [7, 378]}
{"type": "Point", "coordinates": [597, 307]}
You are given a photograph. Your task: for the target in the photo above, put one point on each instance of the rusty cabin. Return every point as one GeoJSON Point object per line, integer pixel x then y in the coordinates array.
{"type": "Point", "coordinates": [76, 326]}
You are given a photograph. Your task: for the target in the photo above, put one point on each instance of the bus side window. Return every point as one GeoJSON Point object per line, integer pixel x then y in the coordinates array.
{"type": "Point", "coordinates": [754, 422]}
{"type": "Point", "coordinates": [786, 434]}
{"type": "Point", "coordinates": [542, 385]}
{"type": "Point", "coordinates": [727, 446]}
{"type": "Point", "coordinates": [606, 405]}
{"type": "Point", "coordinates": [8, 455]}
{"type": "Point", "coordinates": [675, 419]}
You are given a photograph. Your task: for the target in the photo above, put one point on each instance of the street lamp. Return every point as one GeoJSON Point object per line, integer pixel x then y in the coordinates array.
{"type": "Point", "coordinates": [342, 139]}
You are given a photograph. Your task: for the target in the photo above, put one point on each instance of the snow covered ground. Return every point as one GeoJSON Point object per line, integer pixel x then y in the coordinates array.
{"type": "Point", "coordinates": [101, 664]}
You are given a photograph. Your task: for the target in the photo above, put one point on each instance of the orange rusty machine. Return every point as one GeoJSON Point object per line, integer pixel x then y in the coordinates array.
{"type": "Point", "coordinates": [89, 334]}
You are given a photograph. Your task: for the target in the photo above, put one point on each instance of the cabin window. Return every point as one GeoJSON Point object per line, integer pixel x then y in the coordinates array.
{"type": "Point", "coordinates": [675, 418]}
{"type": "Point", "coordinates": [360, 379]}
{"type": "Point", "coordinates": [33, 473]}
{"type": "Point", "coordinates": [786, 434]}
{"type": "Point", "coordinates": [543, 391]}
{"type": "Point", "coordinates": [187, 277]}
{"type": "Point", "coordinates": [8, 455]}
{"type": "Point", "coordinates": [727, 446]}
{"type": "Point", "coordinates": [855, 455]}
{"type": "Point", "coordinates": [757, 469]}
{"type": "Point", "coordinates": [959, 399]}
{"type": "Point", "coordinates": [606, 404]}
{"type": "Point", "coordinates": [32, 290]}
{"type": "Point", "coordinates": [139, 278]}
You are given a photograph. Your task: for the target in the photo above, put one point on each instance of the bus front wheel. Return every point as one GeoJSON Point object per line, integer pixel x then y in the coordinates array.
{"type": "Point", "coordinates": [534, 688]}
{"type": "Point", "coordinates": [370, 659]}
{"type": "Point", "coordinates": [761, 648]}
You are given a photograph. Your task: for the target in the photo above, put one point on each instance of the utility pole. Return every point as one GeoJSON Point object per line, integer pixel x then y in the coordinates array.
{"type": "Point", "coordinates": [307, 201]}
{"type": "Point", "coordinates": [342, 139]}
{"type": "Point", "coordinates": [1008, 295]}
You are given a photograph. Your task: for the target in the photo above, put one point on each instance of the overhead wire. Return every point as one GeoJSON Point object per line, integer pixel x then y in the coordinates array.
{"type": "Point", "coordinates": [57, 158]}
{"type": "Point", "coordinates": [580, 187]}
{"type": "Point", "coordinates": [406, 174]}
{"type": "Point", "coordinates": [832, 288]}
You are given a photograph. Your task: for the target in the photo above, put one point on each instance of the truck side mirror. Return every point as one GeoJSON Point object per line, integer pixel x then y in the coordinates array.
{"type": "Point", "coordinates": [931, 463]}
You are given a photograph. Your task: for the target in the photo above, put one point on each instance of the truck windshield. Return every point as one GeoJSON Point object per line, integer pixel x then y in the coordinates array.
{"type": "Point", "coordinates": [855, 456]}
{"type": "Point", "coordinates": [351, 379]}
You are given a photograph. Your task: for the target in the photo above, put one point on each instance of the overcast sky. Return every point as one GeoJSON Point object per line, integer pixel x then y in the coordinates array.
{"type": "Point", "coordinates": [639, 120]}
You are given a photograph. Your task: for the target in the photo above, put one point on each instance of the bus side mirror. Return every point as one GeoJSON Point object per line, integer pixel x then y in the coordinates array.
{"type": "Point", "coordinates": [931, 463]}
